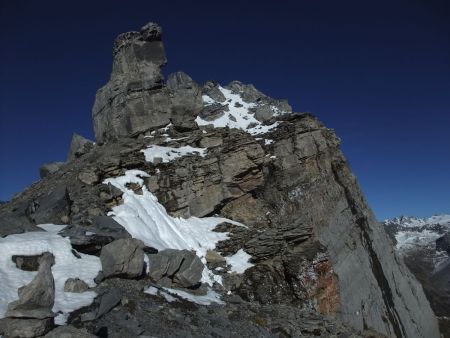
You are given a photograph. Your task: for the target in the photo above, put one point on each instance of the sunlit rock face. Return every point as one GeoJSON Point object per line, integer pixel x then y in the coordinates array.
{"type": "Point", "coordinates": [136, 99]}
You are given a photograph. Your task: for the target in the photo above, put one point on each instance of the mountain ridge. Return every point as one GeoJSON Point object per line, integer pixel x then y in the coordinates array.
{"type": "Point", "coordinates": [280, 220]}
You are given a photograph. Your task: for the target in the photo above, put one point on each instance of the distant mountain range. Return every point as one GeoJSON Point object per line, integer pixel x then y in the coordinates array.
{"type": "Point", "coordinates": [424, 244]}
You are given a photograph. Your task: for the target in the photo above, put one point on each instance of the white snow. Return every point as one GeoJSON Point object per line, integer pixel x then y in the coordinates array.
{"type": "Point", "coordinates": [412, 239]}
{"type": "Point", "coordinates": [237, 117]}
{"type": "Point", "coordinates": [268, 141]}
{"type": "Point", "coordinates": [239, 261]}
{"type": "Point", "coordinates": [412, 222]}
{"type": "Point", "coordinates": [168, 154]}
{"type": "Point", "coordinates": [210, 297]}
{"type": "Point", "coordinates": [55, 228]}
{"type": "Point", "coordinates": [168, 293]}
{"type": "Point", "coordinates": [66, 266]}
{"type": "Point", "coordinates": [152, 291]}
{"type": "Point", "coordinates": [146, 219]}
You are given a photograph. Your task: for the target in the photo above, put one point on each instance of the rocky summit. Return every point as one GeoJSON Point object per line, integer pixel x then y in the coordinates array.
{"type": "Point", "coordinates": [200, 211]}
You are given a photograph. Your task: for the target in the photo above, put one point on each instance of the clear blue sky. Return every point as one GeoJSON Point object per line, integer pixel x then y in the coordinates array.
{"type": "Point", "coordinates": [378, 72]}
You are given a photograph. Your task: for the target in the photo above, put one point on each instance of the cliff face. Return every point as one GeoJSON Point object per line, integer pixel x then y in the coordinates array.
{"type": "Point", "coordinates": [311, 241]}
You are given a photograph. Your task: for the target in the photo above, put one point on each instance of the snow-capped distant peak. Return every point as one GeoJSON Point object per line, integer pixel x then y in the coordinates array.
{"type": "Point", "coordinates": [412, 222]}
{"type": "Point", "coordinates": [413, 232]}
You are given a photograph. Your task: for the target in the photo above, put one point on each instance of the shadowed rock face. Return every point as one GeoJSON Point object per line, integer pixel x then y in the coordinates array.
{"type": "Point", "coordinates": [313, 240]}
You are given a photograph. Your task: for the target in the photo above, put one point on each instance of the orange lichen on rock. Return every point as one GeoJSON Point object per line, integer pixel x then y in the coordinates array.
{"type": "Point", "coordinates": [327, 291]}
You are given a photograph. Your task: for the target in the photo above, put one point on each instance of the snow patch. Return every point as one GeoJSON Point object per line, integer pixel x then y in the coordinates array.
{"type": "Point", "coordinates": [414, 239]}
{"type": "Point", "coordinates": [146, 219]}
{"type": "Point", "coordinates": [238, 116]}
{"type": "Point", "coordinates": [239, 261]}
{"type": "Point", "coordinates": [66, 266]}
{"type": "Point", "coordinates": [168, 293]}
{"type": "Point", "coordinates": [168, 154]}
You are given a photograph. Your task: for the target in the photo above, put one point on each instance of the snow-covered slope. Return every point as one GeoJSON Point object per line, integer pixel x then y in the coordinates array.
{"type": "Point", "coordinates": [411, 222]}
{"type": "Point", "coordinates": [238, 115]}
{"type": "Point", "coordinates": [67, 265]}
{"type": "Point", "coordinates": [412, 232]}
{"type": "Point", "coordinates": [146, 219]}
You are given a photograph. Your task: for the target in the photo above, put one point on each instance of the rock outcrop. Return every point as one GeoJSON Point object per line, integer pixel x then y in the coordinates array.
{"type": "Point", "coordinates": [136, 99]}
{"type": "Point", "coordinates": [175, 268]}
{"type": "Point", "coordinates": [296, 240]}
{"type": "Point", "coordinates": [123, 257]}
{"type": "Point", "coordinates": [78, 147]}
{"type": "Point", "coordinates": [31, 315]}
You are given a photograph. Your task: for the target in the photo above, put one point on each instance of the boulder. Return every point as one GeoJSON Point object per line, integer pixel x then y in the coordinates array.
{"type": "Point", "coordinates": [183, 267]}
{"type": "Point", "coordinates": [50, 168]}
{"type": "Point", "coordinates": [39, 293]}
{"type": "Point", "coordinates": [123, 257]}
{"type": "Point", "coordinates": [31, 315]}
{"type": "Point", "coordinates": [79, 146]}
{"type": "Point", "coordinates": [90, 239]}
{"type": "Point", "coordinates": [75, 285]}
{"type": "Point", "coordinates": [88, 177]}
{"type": "Point", "coordinates": [263, 113]}
{"type": "Point", "coordinates": [26, 263]}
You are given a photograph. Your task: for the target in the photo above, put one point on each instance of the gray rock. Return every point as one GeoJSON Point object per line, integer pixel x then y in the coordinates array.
{"type": "Point", "coordinates": [79, 146]}
{"type": "Point", "coordinates": [158, 266]}
{"type": "Point", "coordinates": [183, 267]}
{"type": "Point", "coordinates": [108, 301]}
{"type": "Point", "coordinates": [39, 293]}
{"type": "Point", "coordinates": [27, 328]}
{"type": "Point", "coordinates": [104, 303]}
{"type": "Point", "coordinates": [50, 207]}
{"type": "Point", "coordinates": [75, 285]}
{"type": "Point", "coordinates": [90, 239]}
{"type": "Point", "coordinates": [263, 113]}
{"type": "Point", "coordinates": [186, 100]}
{"type": "Point", "coordinates": [68, 331]}
{"type": "Point", "coordinates": [190, 271]}
{"type": "Point", "coordinates": [214, 258]}
{"type": "Point", "coordinates": [211, 89]}
{"type": "Point", "coordinates": [50, 168]}
{"type": "Point", "coordinates": [213, 111]}
{"type": "Point", "coordinates": [133, 100]}
{"type": "Point", "coordinates": [88, 177]}
{"type": "Point", "coordinates": [123, 257]}
{"type": "Point", "coordinates": [26, 263]}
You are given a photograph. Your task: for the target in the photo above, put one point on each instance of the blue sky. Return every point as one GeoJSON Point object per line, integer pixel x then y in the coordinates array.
{"type": "Point", "coordinates": [376, 72]}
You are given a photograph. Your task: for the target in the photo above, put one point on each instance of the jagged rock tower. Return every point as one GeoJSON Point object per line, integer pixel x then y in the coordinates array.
{"type": "Point", "coordinates": [313, 240]}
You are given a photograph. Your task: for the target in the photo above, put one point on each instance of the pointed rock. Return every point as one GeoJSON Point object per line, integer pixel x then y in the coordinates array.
{"type": "Point", "coordinates": [37, 298]}
{"type": "Point", "coordinates": [79, 146]}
